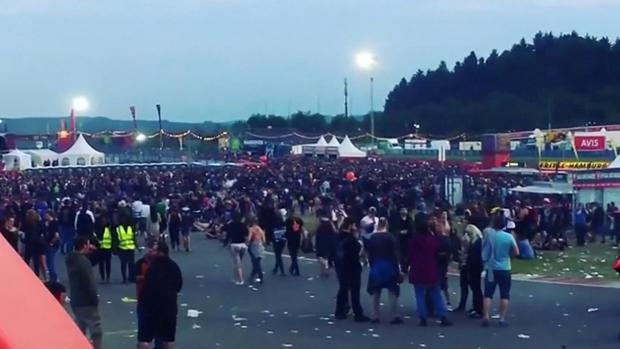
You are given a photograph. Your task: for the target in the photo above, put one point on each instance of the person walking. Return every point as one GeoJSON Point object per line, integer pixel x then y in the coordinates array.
{"type": "Point", "coordinates": [294, 233]}
{"type": "Point", "coordinates": [187, 222]}
{"type": "Point", "coordinates": [142, 266]}
{"type": "Point", "coordinates": [256, 250]}
{"type": "Point", "coordinates": [52, 242]}
{"type": "Point", "coordinates": [85, 222]}
{"type": "Point", "coordinates": [104, 236]}
{"type": "Point", "coordinates": [326, 244]}
{"type": "Point", "coordinates": [83, 291]}
{"type": "Point", "coordinates": [237, 235]}
{"type": "Point", "coordinates": [384, 271]}
{"type": "Point", "coordinates": [349, 272]}
{"type": "Point", "coordinates": [279, 242]}
{"type": "Point", "coordinates": [162, 283]}
{"type": "Point", "coordinates": [126, 248]}
{"type": "Point", "coordinates": [497, 248]}
{"type": "Point", "coordinates": [424, 271]}
{"type": "Point", "coordinates": [153, 223]}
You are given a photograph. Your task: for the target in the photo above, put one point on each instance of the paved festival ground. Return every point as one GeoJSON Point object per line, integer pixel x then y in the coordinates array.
{"type": "Point", "coordinates": [289, 312]}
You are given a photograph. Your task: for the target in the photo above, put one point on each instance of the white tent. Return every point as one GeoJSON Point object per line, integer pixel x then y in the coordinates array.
{"type": "Point", "coordinates": [322, 141]}
{"type": "Point", "coordinates": [334, 142]}
{"type": "Point", "coordinates": [40, 156]}
{"type": "Point", "coordinates": [348, 150]}
{"type": "Point", "coordinates": [615, 163]}
{"type": "Point", "coordinates": [81, 154]}
{"type": "Point", "coordinates": [16, 160]}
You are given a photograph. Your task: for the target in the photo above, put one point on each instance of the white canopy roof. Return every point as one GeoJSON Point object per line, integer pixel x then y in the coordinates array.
{"type": "Point", "coordinates": [348, 150]}
{"type": "Point", "coordinates": [534, 189]}
{"type": "Point", "coordinates": [615, 163]}
{"type": "Point", "coordinates": [81, 154]}
{"type": "Point", "coordinates": [16, 160]}
{"type": "Point", "coordinates": [321, 141]}
{"type": "Point", "coordinates": [39, 156]}
{"type": "Point", "coordinates": [334, 142]}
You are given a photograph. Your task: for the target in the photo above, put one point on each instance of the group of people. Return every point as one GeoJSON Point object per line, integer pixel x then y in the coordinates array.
{"type": "Point", "coordinates": [390, 216]}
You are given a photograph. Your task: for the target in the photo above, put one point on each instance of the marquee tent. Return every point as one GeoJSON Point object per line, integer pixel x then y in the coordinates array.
{"type": "Point", "coordinates": [81, 154]}
{"type": "Point", "coordinates": [40, 156]}
{"type": "Point", "coordinates": [334, 142]}
{"type": "Point", "coordinates": [16, 160]}
{"type": "Point", "coordinates": [321, 142]}
{"type": "Point", "coordinates": [348, 150]}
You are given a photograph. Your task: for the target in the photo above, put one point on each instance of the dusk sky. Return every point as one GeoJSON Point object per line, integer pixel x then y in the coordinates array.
{"type": "Point", "coordinates": [221, 60]}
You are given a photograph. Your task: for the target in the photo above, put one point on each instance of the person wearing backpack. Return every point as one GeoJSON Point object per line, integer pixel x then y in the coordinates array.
{"type": "Point", "coordinates": [349, 272]}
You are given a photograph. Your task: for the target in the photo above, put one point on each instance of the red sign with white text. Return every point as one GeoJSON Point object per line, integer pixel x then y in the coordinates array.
{"type": "Point", "coordinates": [590, 143]}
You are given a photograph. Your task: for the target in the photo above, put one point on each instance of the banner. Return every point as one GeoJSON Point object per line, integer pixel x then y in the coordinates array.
{"type": "Point", "coordinates": [571, 165]}
{"type": "Point", "coordinates": [589, 143]}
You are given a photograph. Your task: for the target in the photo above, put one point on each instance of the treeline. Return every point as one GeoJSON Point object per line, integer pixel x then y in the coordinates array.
{"type": "Point", "coordinates": [565, 80]}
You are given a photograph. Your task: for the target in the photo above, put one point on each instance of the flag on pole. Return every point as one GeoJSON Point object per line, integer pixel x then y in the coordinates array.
{"type": "Point", "coordinates": [132, 109]}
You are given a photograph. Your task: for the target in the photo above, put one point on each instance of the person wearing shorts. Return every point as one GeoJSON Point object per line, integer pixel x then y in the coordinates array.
{"type": "Point", "coordinates": [497, 248]}
{"type": "Point", "coordinates": [237, 234]}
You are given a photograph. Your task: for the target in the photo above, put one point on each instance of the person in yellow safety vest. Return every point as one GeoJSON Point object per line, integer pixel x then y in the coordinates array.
{"type": "Point", "coordinates": [126, 248]}
{"type": "Point", "coordinates": [104, 235]}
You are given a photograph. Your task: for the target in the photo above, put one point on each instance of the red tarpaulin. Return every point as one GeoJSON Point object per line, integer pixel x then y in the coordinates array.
{"type": "Point", "coordinates": [30, 317]}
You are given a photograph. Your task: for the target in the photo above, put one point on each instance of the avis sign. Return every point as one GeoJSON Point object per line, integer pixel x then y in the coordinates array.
{"type": "Point", "coordinates": [590, 143]}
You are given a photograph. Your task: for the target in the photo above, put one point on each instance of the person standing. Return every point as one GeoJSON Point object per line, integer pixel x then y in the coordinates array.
{"type": "Point", "coordinates": [104, 236]}
{"type": "Point", "coordinates": [497, 248]}
{"type": "Point", "coordinates": [126, 248]}
{"type": "Point", "coordinates": [52, 241]}
{"type": "Point", "coordinates": [256, 250]}
{"type": "Point", "coordinates": [153, 223]}
{"type": "Point", "coordinates": [83, 291]}
{"type": "Point", "coordinates": [85, 222]}
{"type": "Point", "coordinates": [473, 266]}
{"type": "Point", "coordinates": [187, 222]}
{"type": "Point", "coordinates": [294, 232]}
{"type": "Point", "coordinates": [174, 228]}
{"type": "Point", "coordinates": [401, 228]}
{"type": "Point", "coordinates": [443, 228]}
{"type": "Point", "coordinates": [66, 226]}
{"type": "Point", "coordinates": [349, 272]}
{"type": "Point", "coordinates": [34, 239]}
{"type": "Point", "coordinates": [10, 233]}
{"type": "Point", "coordinates": [162, 283]}
{"type": "Point", "coordinates": [384, 271]}
{"type": "Point", "coordinates": [424, 271]}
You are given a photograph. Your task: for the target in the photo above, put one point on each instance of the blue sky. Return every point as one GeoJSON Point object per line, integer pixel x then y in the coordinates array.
{"type": "Point", "coordinates": [226, 59]}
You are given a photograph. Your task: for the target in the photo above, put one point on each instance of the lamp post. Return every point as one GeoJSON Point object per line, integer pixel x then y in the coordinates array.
{"type": "Point", "coordinates": [367, 61]}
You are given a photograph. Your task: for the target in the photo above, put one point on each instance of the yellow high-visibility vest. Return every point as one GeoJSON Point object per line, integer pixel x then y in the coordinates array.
{"type": "Point", "coordinates": [106, 240]}
{"type": "Point", "coordinates": [125, 238]}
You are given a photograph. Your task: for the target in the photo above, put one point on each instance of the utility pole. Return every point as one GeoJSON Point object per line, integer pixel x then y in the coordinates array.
{"type": "Point", "coordinates": [346, 98]}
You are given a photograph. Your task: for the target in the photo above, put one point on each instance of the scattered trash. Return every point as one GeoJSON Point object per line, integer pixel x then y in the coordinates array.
{"type": "Point", "coordinates": [129, 300]}
{"type": "Point", "coordinates": [183, 305]}
{"type": "Point", "coordinates": [347, 331]}
{"type": "Point", "coordinates": [193, 313]}
{"type": "Point", "coordinates": [592, 310]}
{"type": "Point", "coordinates": [237, 318]}
{"type": "Point", "coordinates": [523, 336]}
{"type": "Point", "coordinates": [287, 345]}
{"type": "Point", "coordinates": [294, 331]}
{"type": "Point", "coordinates": [269, 332]}
{"type": "Point", "coordinates": [375, 335]}
{"type": "Point", "coordinates": [195, 327]}
{"type": "Point", "coordinates": [328, 337]}
{"type": "Point", "coordinates": [200, 276]}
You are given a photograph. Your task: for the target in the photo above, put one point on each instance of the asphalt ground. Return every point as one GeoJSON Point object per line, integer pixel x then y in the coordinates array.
{"type": "Point", "coordinates": [296, 312]}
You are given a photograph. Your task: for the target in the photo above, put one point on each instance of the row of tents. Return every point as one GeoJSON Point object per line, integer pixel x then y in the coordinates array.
{"type": "Point", "coordinates": [79, 154]}
{"type": "Point", "coordinates": [344, 149]}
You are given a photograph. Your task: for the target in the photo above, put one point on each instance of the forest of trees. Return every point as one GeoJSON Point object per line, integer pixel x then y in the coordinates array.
{"type": "Point", "coordinates": [565, 80]}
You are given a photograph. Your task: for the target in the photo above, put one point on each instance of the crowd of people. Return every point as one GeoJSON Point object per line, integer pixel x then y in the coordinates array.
{"type": "Point", "coordinates": [390, 216]}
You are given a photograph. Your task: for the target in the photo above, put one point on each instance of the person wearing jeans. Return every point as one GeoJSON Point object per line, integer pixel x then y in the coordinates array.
{"type": "Point", "coordinates": [51, 244]}
{"type": "Point", "coordinates": [424, 271]}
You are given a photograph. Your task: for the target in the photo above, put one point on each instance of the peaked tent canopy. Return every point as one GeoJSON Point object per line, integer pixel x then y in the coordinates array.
{"type": "Point", "coordinates": [334, 142]}
{"type": "Point", "coordinates": [40, 156]}
{"type": "Point", "coordinates": [615, 163]}
{"type": "Point", "coordinates": [322, 141]}
{"type": "Point", "coordinates": [81, 154]}
{"type": "Point", "coordinates": [16, 160]}
{"type": "Point", "coordinates": [348, 150]}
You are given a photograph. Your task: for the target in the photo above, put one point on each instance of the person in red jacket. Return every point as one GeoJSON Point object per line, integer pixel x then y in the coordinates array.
{"type": "Point", "coordinates": [424, 271]}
